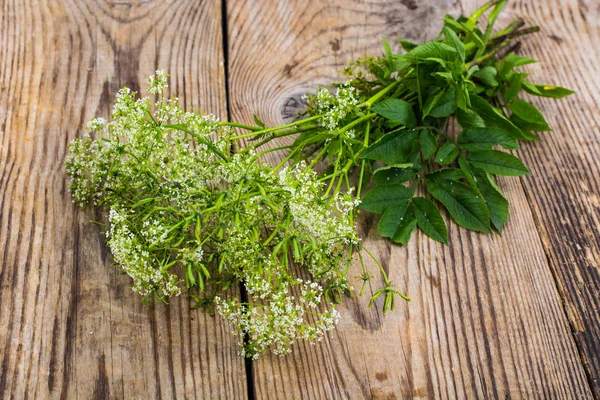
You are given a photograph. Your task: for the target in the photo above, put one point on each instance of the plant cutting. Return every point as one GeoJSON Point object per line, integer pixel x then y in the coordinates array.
{"type": "Point", "coordinates": [192, 211]}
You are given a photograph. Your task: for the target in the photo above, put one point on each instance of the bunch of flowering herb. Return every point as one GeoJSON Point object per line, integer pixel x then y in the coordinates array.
{"type": "Point", "coordinates": [186, 214]}
{"type": "Point", "coordinates": [387, 124]}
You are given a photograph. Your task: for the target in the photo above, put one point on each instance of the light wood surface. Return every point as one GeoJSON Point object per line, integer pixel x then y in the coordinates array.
{"type": "Point", "coordinates": [70, 325]}
{"type": "Point", "coordinates": [511, 316]}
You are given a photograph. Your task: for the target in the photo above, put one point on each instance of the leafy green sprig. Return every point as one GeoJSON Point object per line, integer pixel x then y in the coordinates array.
{"type": "Point", "coordinates": [387, 126]}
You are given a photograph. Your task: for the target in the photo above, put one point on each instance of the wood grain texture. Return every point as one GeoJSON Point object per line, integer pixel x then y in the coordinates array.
{"type": "Point", "coordinates": [71, 327]}
{"type": "Point", "coordinates": [564, 187]}
{"type": "Point", "coordinates": [486, 320]}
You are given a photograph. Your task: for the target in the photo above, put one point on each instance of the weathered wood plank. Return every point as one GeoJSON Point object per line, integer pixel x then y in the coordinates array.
{"type": "Point", "coordinates": [71, 327]}
{"type": "Point", "coordinates": [486, 318]}
{"type": "Point", "coordinates": [564, 186]}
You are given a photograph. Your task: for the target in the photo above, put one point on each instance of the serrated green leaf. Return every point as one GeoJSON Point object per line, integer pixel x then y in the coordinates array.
{"type": "Point", "coordinates": [527, 116]}
{"type": "Point", "coordinates": [463, 203]}
{"type": "Point", "coordinates": [446, 174]}
{"type": "Point", "coordinates": [467, 170]}
{"type": "Point", "coordinates": [492, 118]}
{"type": "Point", "coordinates": [392, 176]}
{"type": "Point", "coordinates": [449, 21]}
{"type": "Point", "coordinates": [469, 119]}
{"type": "Point", "coordinates": [485, 138]}
{"type": "Point", "coordinates": [446, 154]}
{"type": "Point", "coordinates": [396, 110]}
{"type": "Point", "coordinates": [428, 143]}
{"type": "Point", "coordinates": [430, 220]}
{"type": "Point", "coordinates": [495, 201]}
{"type": "Point", "coordinates": [430, 51]}
{"type": "Point", "coordinates": [381, 197]}
{"type": "Point", "coordinates": [442, 105]}
{"type": "Point", "coordinates": [397, 166]}
{"type": "Point", "coordinates": [453, 40]}
{"type": "Point", "coordinates": [497, 163]}
{"type": "Point", "coordinates": [398, 223]}
{"type": "Point", "coordinates": [555, 92]}
{"type": "Point", "coordinates": [392, 148]}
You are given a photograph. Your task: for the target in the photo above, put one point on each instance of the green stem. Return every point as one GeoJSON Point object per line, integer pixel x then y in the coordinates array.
{"type": "Point", "coordinates": [277, 128]}
{"type": "Point", "coordinates": [285, 160]}
{"type": "Point", "coordinates": [363, 162]}
{"type": "Point", "coordinates": [356, 122]}
{"type": "Point", "coordinates": [238, 125]}
{"type": "Point", "coordinates": [381, 93]}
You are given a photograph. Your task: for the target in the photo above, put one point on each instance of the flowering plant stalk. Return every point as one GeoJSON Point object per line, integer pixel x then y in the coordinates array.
{"type": "Point", "coordinates": [188, 214]}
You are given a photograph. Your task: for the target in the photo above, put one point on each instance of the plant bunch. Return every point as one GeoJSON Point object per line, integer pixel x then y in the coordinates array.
{"type": "Point", "coordinates": [191, 211]}
{"type": "Point", "coordinates": [187, 213]}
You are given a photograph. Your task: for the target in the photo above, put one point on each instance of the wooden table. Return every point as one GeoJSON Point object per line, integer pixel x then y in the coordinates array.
{"type": "Point", "coordinates": [516, 315]}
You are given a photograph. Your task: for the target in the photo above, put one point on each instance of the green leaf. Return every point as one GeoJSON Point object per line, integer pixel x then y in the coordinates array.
{"type": "Point", "coordinates": [430, 220]}
{"type": "Point", "coordinates": [442, 104]}
{"type": "Point", "coordinates": [497, 163]}
{"type": "Point", "coordinates": [487, 75]}
{"type": "Point", "coordinates": [428, 143]}
{"type": "Point", "coordinates": [449, 21]}
{"type": "Point", "coordinates": [446, 174]}
{"type": "Point", "coordinates": [469, 119]}
{"type": "Point", "coordinates": [432, 50]}
{"type": "Point", "coordinates": [527, 116]}
{"type": "Point", "coordinates": [258, 122]}
{"type": "Point", "coordinates": [384, 196]}
{"type": "Point", "coordinates": [392, 148]}
{"type": "Point", "coordinates": [392, 175]}
{"type": "Point", "coordinates": [395, 166]}
{"type": "Point", "coordinates": [517, 61]}
{"type": "Point", "coordinates": [446, 154]}
{"type": "Point", "coordinates": [514, 87]}
{"type": "Point", "coordinates": [463, 203]}
{"type": "Point", "coordinates": [398, 223]}
{"type": "Point", "coordinates": [495, 201]}
{"type": "Point", "coordinates": [485, 138]}
{"type": "Point", "coordinates": [453, 40]}
{"type": "Point", "coordinates": [406, 45]}
{"type": "Point", "coordinates": [492, 118]}
{"type": "Point", "coordinates": [396, 110]}
{"type": "Point", "coordinates": [467, 170]}
{"type": "Point", "coordinates": [555, 92]}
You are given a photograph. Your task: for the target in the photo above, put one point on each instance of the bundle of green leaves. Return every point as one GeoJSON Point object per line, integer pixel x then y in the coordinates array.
{"type": "Point", "coordinates": [189, 214]}
{"type": "Point", "coordinates": [387, 126]}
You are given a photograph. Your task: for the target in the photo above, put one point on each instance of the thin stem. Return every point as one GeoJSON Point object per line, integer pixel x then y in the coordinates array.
{"type": "Point", "coordinates": [238, 125]}
{"type": "Point", "coordinates": [277, 128]}
{"type": "Point", "coordinates": [357, 121]}
{"type": "Point", "coordinates": [285, 160]}
{"type": "Point", "coordinates": [381, 93]}
{"type": "Point", "coordinates": [363, 162]}
{"type": "Point", "coordinates": [383, 273]}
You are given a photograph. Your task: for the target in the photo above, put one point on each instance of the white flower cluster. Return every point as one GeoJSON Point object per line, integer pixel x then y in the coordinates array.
{"type": "Point", "coordinates": [186, 213]}
{"type": "Point", "coordinates": [334, 108]}
{"type": "Point", "coordinates": [280, 320]}
{"type": "Point", "coordinates": [157, 83]}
